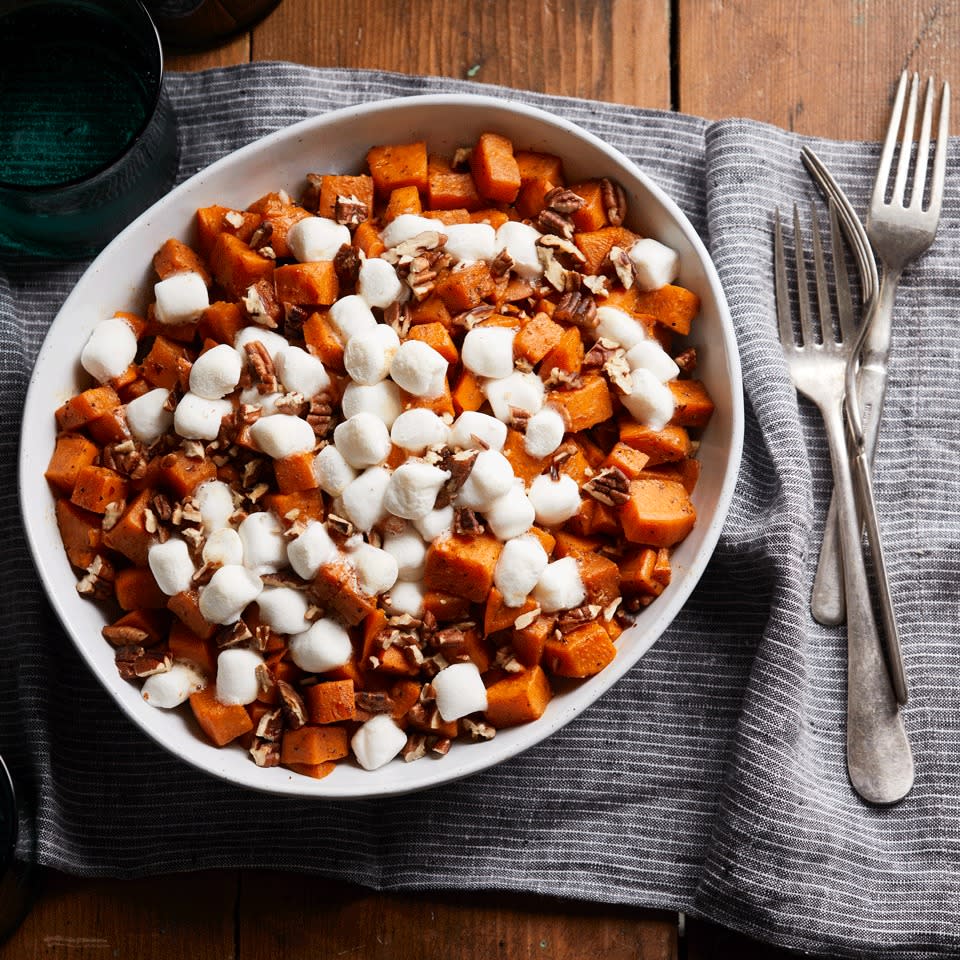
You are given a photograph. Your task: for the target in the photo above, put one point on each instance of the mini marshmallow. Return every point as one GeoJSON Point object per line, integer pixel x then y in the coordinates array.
{"type": "Point", "coordinates": [655, 265]}
{"type": "Point", "coordinates": [459, 691]}
{"type": "Point", "coordinates": [378, 741]}
{"type": "Point", "coordinates": [381, 399]}
{"type": "Point", "coordinates": [350, 316]}
{"type": "Point", "coordinates": [223, 547]}
{"type": "Point", "coordinates": [170, 689]}
{"type": "Point", "coordinates": [544, 433]}
{"type": "Point", "coordinates": [560, 586]}
{"type": "Point", "coordinates": [649, 401]}
{"type": "Point", "coordinates": [649, 355]}
{"type": "Point", "coordinates": [554, 500]}
{"type": "Point", "coordinates": [415, 430]}
{"type": "Point", "coordinates": [180, 298]}
{"type": "Point", "coordinates": [281, 435]}
{"type": "Point", "coordinates": [266, 403]}
{"type": "Point", "coordinates": [376, 569]}
{"type": "Point", "coordinates": [405, 596]}
{"type": "Point", "coordinates": [228, 593]}
{"type": "Point", "coordinates": [325, 646]}
{"type": "Point", "coordinates": [333, 473]}
{"type": "Point", "coordinates": [525, 391]}
{"type": "Point", "coordinates": [520, 242]}
{"type": "Point", "coordinates": [419, 369]}
{"type": "Point", "coordinates": [273, 343]}
{"type": "Point", "coordinates": [363, 499]}
{"type": "Point", "coordinates": [519, 567]}
{"type": "Point", "coordinates": [216, 373]}
{"type": "Point", "coordinates": [301, 372]}
{"type": "Point", "coordinates": [237, 680]}
{"type": "Point", "coordinates": [264, 546]}
{"type": "Point", "coordinates": [613, 324]}
{"type": "Point", "coordinates": [199, 419]}
{"type": "Point", "coordinates": [410, 552]}
{"type": "Point", "coordinates": [488, 351]}
{"type": "Point", "coordinates": [469, 242]}
{"type": "Point", "coordinates": [406, 227]}
{"type": "Point", "coordinates": [367, 359]}
{"type": "Point", "coordinates": [147, 416]}
{"type": "Point", "coordinates": [478, 431]}
{"type": "Point", "coordinates": [317, 238]}
{"type": "Point", "coordinates": [109, 350]}
{"type": "Point", "coordinates": [363, 440]}
{"type": "Point", "coordinates": [171, 565]}
{"type": "Point", "coordinates": [378, 283]}
{"type": "Point", "coordinates": [491, 477]}
{"type": "Point", "coordinates": [437, 523]}
{"type": "Point", "coordinates": [413, 489]}
{"type": "Point", "coordinates": [512, 514]}
{"type": "Point", "coordinates": [215, 503]}
{"type": "Point", "coordinates": [284, 609]}
{"type": "Point", "coordinates": [312, 549]}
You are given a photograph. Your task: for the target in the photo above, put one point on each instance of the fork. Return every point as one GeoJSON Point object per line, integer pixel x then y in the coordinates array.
{"type": "Point", "coordinates": [899, 233]}
{"type": "Point", "coordinates": [879, 760]}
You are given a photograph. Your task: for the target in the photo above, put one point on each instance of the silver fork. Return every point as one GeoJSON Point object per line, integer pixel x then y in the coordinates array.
{"type": "Point", "coordinates": [879, 760]}
{"type": "Point", "coordinates": [899, 232]}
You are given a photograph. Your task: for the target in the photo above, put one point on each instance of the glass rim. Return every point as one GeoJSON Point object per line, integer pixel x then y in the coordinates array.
{"type": "Point", "coordinates": [52, 188]}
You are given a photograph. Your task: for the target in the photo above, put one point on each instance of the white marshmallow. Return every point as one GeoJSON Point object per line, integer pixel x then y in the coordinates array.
{"type": "Point", "coordinates": [437, 523]}
{"type": "Point", "coordinates": [216, 373]}
{"type": "Point", "coordinates": [171, 565]}
{"type": "Point", "coordinates": [170, 689]}
{"type": "Point", "coordinates": [649, 401]}
{"type": "Point", "coordinates": [199, 419]}
{"type": "Point", "coordinates": [273, 343]}
{"type": "Point", "coordinates": [351, 316]}
{"type": "Point", "coordinates": [237, 680]}
{"type": "Point", "coordinates": [264, 546]}
{"type": "Point", "coordinates": [410, 552]}
{"type": "Point", "coordinates": [266, 403]}
{"type": "Point", "coordinates": [109, 350]}
{"type": "Point", "coordinates": [488, 351]}
{"type": "Point", "coordinates": [325, 646]}
{"type": "Point", "coordinates": [227, 594]}
{"type": "Point", "coordinates": [469, 242]}
{"type": "Point", "coordinates": [413, 489]}
{"type": "Point", "coordinates": [649, 355]}
{"type": "Point", "coordinates": [419, 369]}
{"type": "Point", "coordinates": [560, 586]}
{"type": "Point", "coordinates": [616, 325]}
{"type": "Point", "coordinates": [415, 430]}
{"type": "Point", "coordinates": [405, 596]}
{"type": "Point", "coordinates": [180, 298]}
{"type": "Point", "coordinates": [147, 417]}
{"type": "Point", "coordinates": [333, 473]}
{"type": "Point", "coordinates": [554, 500]}
{"type": "Point", "coordinates": [367, 359]}
{"type": "Point", "coordinates": [491, 477]}
{"type": "Point", "coordinates": [312, 549]}
{"type": "Point", "coordinates": [381, 399]}
{"type": "Point", "coordinates": [512, 514]}
{"type": "Point", "coordinates": [317, 238]}
{"type": "Point", "coordinates": [459, 691]}
{"type": "Point", "coordinates": [544, 433]}
{"type": "Point", "coordinates": [406, 227]}
{"type": "Point", "coordinates": [284, 609]}
{"type": "Point", "coordinates": [379, 740]}
{"type": "Point", "coordinates": [524, 391]}
{"type": "Point", "coordinates": [215, 503]}
{"type": "Point", "coordinates": [522, 560]}
{"type": "Point", "coordinates": [363, 440]}
{"type": "Point", "coordinates": [376, 569]}
{"type": "Point", "coordinates": [655, 265]}
{"type": "Point", "coordinates": [520, 242]}
{"type": "Point", "coordinates": [478, 431]}
{"type": "Point", "coordinates": [301, 372]}
{"type": "Point", "coordinates": [281, 435]}
{"type": "Point", "coordinates": [378, 283]}
{"type": "Point", "coordinates": [224, 547]}
{"type": "Point", "coordinates": [363, 499]}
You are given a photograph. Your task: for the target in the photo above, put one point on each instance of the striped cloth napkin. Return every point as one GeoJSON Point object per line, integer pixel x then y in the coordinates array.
{"type": "Point", "coordinates": [711, 778]}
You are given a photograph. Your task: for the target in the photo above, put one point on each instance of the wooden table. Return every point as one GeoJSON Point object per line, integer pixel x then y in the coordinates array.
{"type": "Point", "coordinates": [825, 67]}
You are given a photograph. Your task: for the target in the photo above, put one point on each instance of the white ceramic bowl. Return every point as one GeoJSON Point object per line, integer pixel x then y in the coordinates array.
{"type": "Point", "coordinates": [121, 279]}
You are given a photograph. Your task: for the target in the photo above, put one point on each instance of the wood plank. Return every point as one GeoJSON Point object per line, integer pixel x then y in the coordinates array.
{"type": "Point", "coordinates": [825, 67]}
{"type": "Point", "coordinates": [286, 916]}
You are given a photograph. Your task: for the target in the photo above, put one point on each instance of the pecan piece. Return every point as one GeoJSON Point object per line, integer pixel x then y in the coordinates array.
{"type": "Point", "coordinates": [346, 265]}
{"type": "Point", "coordinates": [270, 725]}
{"type": "Point", "coordinates": [614, 201]}
{"type": "Point", "coordinates": [320, 416]}
{"type": "Point", "coordinates": [350, 211]}
{"type": "Point", "coordinates": [124, 636]}
{"type": "Point", "coordinates": [477, 731]}
{"type": "Point", "coordinates": [623, 266]}
{"type": "Point", "coordinates": [97, 581]}
{"type": "Point", "coordinates": [415, 748]}
{"type": "Point", "coordinates": [687, 360]}
{"type": "Point", "coordinates": [294, 710]}
{"type": "Point", "coordinates": [563, 201]}
{"type": "Point", "coordinates": [265, 753]}
{"type": "Point", "coordinates": [571, 620]}
{"type": "Point", "coordinates": [610, 486]}
{"type": "Point", "coordinates": [261, 304]}
{"type": "Point", "coordinates": [459, 465]}
{"type": "Point", "coordinates": [294, 317]}
{"type": "Point", "coordinates": [577, 308]}
{"type": "Point", "coordinates": [310, 199]}
{"type": "Point", "coordinates": [551, 222]}
{"type": "Point", "coordinates": [135, 662]}
{"type": "Point", "coordinates": [263, 368]}
{"type": "Point", "coordinates": [466, 523]}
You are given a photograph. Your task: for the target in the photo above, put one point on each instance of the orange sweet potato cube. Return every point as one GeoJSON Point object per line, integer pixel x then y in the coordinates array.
{"type": "Point", "coordinates": [674, 307]}
{"type": "Point", "coordinates": [525, 466]}
{"type": "Point", "coordinates": [495, 169]}
{"type": "Point", "coordinates": [186, 607]}
{"type": "Point", "coordinates": [184, 644]}
{"type": "Point", "coordinates": [538, 337]}
{"type": "Point", "coordinates": [323, 342]}
{"type": "Point", "coordinates": [586, 405]}
{"type": "Point", "coordinates": [85, 407]}
{"type": "Point", "coordinates": [295, 472]}
{"type": "Point", "coordinates": [80, 531]}
{"type": "Point", "coordinates": [693, 405]}
{"type": "Point", "coordinates": [300, 505]}
{"type": "Point", "coordinates": [402, 200]}
{"type": "Point", "coordinates": [542, 166]}
{"type": "Point", "coordinates": [467, 288]}
{"type": "Point", "coordinates": [566, 354]}
{"type": "Point", "coordinates": [435, 335]}
{"type": "Point", "coordinates": [307, 284]}
{"type": "Point", "coordinates": [581, 653]}
{"type": "Point", "coordinates": [334, 186]}
{"type": "Point", "coordinates": [335, 589]}
{"type": "Point", "coordinates": [637, 573]}
{"type": "Point", "coordinates": [97, 487]}
{"type": "Point", "coordinates": [71, 454]}
{"type": "Point", "coordinates": [531, 199]}
{"type": "Point", "coordinates": [430, 310]}
{"type": "Point", "coordinates": [448, 190]}
{"type": "Point", "coordinates": [659, 513]}
{"type": "Point", "coordinates": [182, 474]}
{"type": "Point", "coordinates": [280, 214]}
{"type": "Point", "coordinates": [221, 322]}
{"type": "Point", "coordinates": [330, 702]}
{"type": "Point", "coordinates": [660, 446]}
{"type": "Point", "coordinates": [162, 365]}
{"type": "Point", "coordinates": [136, 589]}
{"type": "Point", "coordinates": [220, 722]}
{"type": "Point", "coordinates": [462, 566]}
{"type": "Point", "coordinates": [313, 744]}
{"type": "Point", "coordinates": [592, 215]}
{"type": "Point", "coordinates": [467, 394]}
{"type": "Point", "coordinates": [498, 616]}
{"type": "Point", "coordinates": [174, 256]}
{"type": "Point", "coordinates": [518, 698]}
{"type": "Point", "coordinates": [528, 642]}
{"type": "Point", "coordinates": [236, 267]}
{"type": "Point", "coordinates": [366, 238]}
{"type": "Point", "coordinates": [212, 221]}
{"type": "Point", "coordinates": [601, 578]}
{"type": "Point", "coordinates": [398, 165]}
{"type": "Point", "coordinates": [627, 460]}
{"type": "Point", "coordinates": [595, 245]}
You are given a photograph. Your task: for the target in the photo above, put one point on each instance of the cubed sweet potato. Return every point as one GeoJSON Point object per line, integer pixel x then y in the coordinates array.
{"type": "Point", "coordinates": [660, 446]}
{"type": "Point", "coordinates": [627, 460]}
{"type": "Point", "coordinates": [398, 165]}
{"type": "Point", "coordinates": [333, 186]}
{"type": "Point", "coordinates": [693, 406]}
{"type": "Point", "coordinates": [659, 513]}
{"type": "Point", "coordinates": [71, 454]}
{"type": "Point", "coordinates": [221, 722]}
{"type": "Point", "coordinates": [586, 405]}
{"type": "Point", "coordinates": [98, 487]}
{"type": "Point", "coordinates": [186, 607]}
{"type": "Point", "coordinates": [600, 577]}
{"type": "Point", "coordinates": [538, 337]}
{"type": "Point", "coordinates": [467, 393]}
{"type": "Point", "coordinates": [528, 642]}
{"type": "Point", "coordinates": [80, 532]}
{"type": "Point", "coordinates": [494, 168]}
{"type": "Point", "coordinates": [435, 335]}
{"type": "Point", "coordinates": [300, 505]}
{"type": "Point", "coordinates": [136, 589]}
{"type": "Point", "coordinates": [595, 245]}
{"type": "Point", "coordinates": [85, 407]}
{"type": "Point", "coordinates": [182, 474]}
{"type": "Point", "coordinates": [184, 644]}
{"type": "Point", "coordinates": [236, 267]}
{"type": "Point", "coordinates": [593, 214]}
{"type": "Point", "coordinates": [323, 342]}
{"type": "Point", "coordinates": [448, 190]}
{"type": "Point", "coordinates": [565, 355]}
{"type": "Point", "coordinates": [580, 653]}
{"type": "Point", "coordinates": [295, 472]}
{"type": "Point", "coordinates": [174, 256]}
{"type": "Point", "coordinates": [335, 589]}
{"type": "Point", "coordinates": [543, 166]}
{"type": "Point", "coordinates": [307, 284]}
{"type": "Point", "coordinates": [467, 288]}
{"type": "Point", "coordinates": [212, 221]}
{"type": "Point", "coordinates": [221, 322]}
{"type": "Point", "coordinates": [161, 366]}
{"type": "Point", "coordinates": [518, 698]}
{"type": "Point", "coordinates": [462, 566]}
{"type": "Point", "coordinates": [129, 534]}
{"type": "Point", "coordinates": [330, 702]}
{"type": "Point", "coordinates": [402, 200]}
{"type": "Point", "coordinates": [279, 215]}
{"type": "Point", "coordinates": [498, 616]}
{"type": "Point", "coordinates": [313, 744]}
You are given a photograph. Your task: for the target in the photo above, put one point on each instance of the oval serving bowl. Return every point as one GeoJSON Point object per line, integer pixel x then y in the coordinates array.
{"type": "Point", "coordinates": [121, 278]}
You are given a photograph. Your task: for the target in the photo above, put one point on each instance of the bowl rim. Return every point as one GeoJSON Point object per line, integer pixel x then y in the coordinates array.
{"type": "Point", "coordinates": [462, 763]}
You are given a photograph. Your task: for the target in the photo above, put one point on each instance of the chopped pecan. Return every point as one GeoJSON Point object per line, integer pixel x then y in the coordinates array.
{"type": "Point", "coordinates": [563, 201]}
{"type": "Point", "coordinates": [270, 725]}
{"type": "Point", "coordinates": [563, 379]}
{"type": "Point", "coordinates": [519, 418]}
{"type": "Point", "coordinates": [320, 416]}
{"type": "Point", "coordinates": [293, 404]}
{"type": "Point", "coordinates": [414, 246]}
{"type": "Point", "coordinates": [310, 199]}
{"type": "Point", "coordinates": [609, 486]}
{"type": "Point", "coordinates": [265, 753]}
{"type": "Point", "coordinates": [263, 368]}
{"type": "Point", "coordinates": [112, 514]}
{"type": "Point", "coordinates": [576, 308]}
{"type": "Point", "coordinates": [126, 458]}
{"type": "Point", "coordinates": [440, 745]}
{"type": "Point", "coordinates": [346, 264]}
{"type": "Point", "coordinates": [415, 748]}
{"type": "Point", "coordinates": [686, 360]}
{"type": "Point", "coordinates": [598, 355]}
{"type": "Point", "coordinates": [477, 730]}
{"type": "Point", "coordinates": [470, 318]}
{"type": "Point", "coordinates": [525, 619]}
{"type": "Point", "coordinates": [571, 620]}
{"type": "Point", "coordinates": [623, 266]}
{"type": "Point", "coordinates": [261, 304]}
{"type": "Point", "coordinates": [559, 459]}
{"type": "Point", "coordinates": [551, 222]}
{"type": "Point", "coordinates": [500, 265]}
{"type": "Point", "coordinates": [294, 317]}
{"type": "Point", "coordinates": [124, 636]}
{"type": "Point", "coordinates": [260, 237]}
{"type": "Point", "coordinates": [205, 572]}
{"type": "Point", "coordinates": [466, 523]}
{"type": "Point", "coordinates": [596, 284]}
{"type": "Point", "coordinates": [458, 464]}
{"type": "Point", "coordinates": [162, 507]}
{"type": "Point", "coordinates": [294, 710]}
{"type": "Point", "coordinates": [193, 449]}
{"type": "Point", "coordinates": [340, 529]}
{"type": "Point", "coordinates": [564, 249]}
{"type": "Point", "coordinates": [97, 581]}
{"type": "Point", "coordinates": [614, 201]}
{"type": "Point", "coordinates": [461, 158]}
{"type": "Point", "coordinates": [369, 703]}
{"type": "Point", "coordinates": [135, 662]}
{"type": "Point", "coordinates": [236, 635]}
{"type": "Point", "coordinates": [350, 210]}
